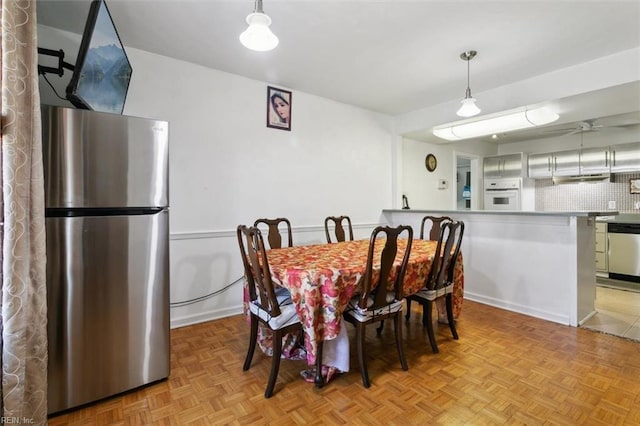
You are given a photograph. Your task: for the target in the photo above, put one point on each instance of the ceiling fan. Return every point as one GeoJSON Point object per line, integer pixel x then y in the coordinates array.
{"type": "Point", "coordinates": [587, 126]}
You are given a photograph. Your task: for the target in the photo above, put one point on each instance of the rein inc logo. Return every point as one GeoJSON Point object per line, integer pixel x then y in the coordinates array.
{"type": "Point", "coordinates": [16, 420]}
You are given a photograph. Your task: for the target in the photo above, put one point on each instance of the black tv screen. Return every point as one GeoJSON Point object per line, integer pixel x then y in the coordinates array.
{"type": "Point", "coordinates": [102, 72]}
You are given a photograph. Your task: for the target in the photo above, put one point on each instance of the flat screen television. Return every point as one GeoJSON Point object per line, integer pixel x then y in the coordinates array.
{"type": "Point", "coordinates": [102, 72]}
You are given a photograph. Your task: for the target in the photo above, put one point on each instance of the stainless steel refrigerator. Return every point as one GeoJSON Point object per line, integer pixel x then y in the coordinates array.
{"type": "Point", "coordinates": [107, 231]}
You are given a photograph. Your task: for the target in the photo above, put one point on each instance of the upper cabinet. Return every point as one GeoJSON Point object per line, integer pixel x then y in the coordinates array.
{"type": "Point", "coordinates": [594, 161]}
{"type": "Point", "coordinates": [540, 166]}
{"type": "Point", "coordinates": [587, 161]}
{"type": "Point", "coordinates": [504, 166]}
{"type": "Point", "coordinates": [563, 163]}
{"type": "Point", "coordinates": [625, 157]}
{"type": "Point", "coordinates": [566, 163]}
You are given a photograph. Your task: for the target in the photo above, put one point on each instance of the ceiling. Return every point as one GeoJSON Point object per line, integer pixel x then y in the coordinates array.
{"type": "Point", "coordinates": [388, 56]}
{"type": "Point", "coordinates": [603, 111]}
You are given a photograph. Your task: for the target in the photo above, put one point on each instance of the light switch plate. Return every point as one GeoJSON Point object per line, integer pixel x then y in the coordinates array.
{"type": "Point", "coordinates": [611, 205]}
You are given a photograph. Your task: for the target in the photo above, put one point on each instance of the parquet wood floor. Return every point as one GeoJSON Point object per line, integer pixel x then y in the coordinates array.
{"type": "Point", "coordinates": [506, 368]}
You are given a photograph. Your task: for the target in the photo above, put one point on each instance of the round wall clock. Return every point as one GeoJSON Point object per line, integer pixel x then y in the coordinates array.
{"type": "Point", "coordinates": [431, 162]}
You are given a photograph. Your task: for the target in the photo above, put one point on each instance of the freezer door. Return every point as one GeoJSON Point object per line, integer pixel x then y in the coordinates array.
{"type": "Point", "coordinates": [108, 305]}
{"type": "Point", "coordinates": [100, 160]}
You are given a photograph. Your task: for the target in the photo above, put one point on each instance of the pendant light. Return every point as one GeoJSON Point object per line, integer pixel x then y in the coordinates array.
{"type": "Point", "coordinates": [468, 108]}
{"type": "Point", "coordinates": [258, 36]}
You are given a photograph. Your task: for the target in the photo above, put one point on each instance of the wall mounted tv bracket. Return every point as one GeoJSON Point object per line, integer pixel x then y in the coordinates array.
{"type": "Point", "coordinates": [61, 62]}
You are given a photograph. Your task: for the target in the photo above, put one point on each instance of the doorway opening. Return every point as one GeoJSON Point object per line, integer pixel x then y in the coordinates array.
{"type": "Point", "coordinates": [468, 182]}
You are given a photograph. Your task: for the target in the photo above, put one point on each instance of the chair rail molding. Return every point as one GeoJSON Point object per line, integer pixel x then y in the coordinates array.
{"type": "Point", "coordinates": [231, 233]}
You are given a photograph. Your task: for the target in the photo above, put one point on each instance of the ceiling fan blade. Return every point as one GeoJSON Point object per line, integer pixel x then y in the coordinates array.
{"type": "Point", "coordinates": [623, 125]}
{"type": "Point", "coordinates": [586, 126]}
{"type": "Point", "coordinates": [558, 130]}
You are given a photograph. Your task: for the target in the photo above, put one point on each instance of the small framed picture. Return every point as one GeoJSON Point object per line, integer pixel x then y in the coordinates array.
{"type": "Point", "coordinates": [634, 186]}
{"type": "Point", "coordinates": [278, 108]}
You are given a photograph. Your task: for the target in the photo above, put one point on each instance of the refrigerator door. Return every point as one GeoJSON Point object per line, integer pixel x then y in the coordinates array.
{"type": "Point", "coordinates": [108, 298]}
{"type": "Point", "coordinates": [100, 160]}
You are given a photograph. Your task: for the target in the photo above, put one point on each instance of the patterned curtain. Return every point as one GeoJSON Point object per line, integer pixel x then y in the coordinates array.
{"type": "Point", "coordinates": [23, 291]}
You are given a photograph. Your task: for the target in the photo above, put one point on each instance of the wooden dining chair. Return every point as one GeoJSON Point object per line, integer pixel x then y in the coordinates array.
{"type": "Point", "coordinates": [435, 223]}
{"type": "Point", "coordinates": [381, 295]}
{"type": "Point", "coordinates": [274, 228]}
{"type": "Point", "coordinates": [267, 305]}
{"type": "Point", "coordinates": [439, 282]}
{"type": "Point", "coordinates": [338, 228]}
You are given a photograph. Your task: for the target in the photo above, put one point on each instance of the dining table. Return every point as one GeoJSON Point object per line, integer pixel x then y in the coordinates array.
{"type": "Point", "coordinates": [322, 278]}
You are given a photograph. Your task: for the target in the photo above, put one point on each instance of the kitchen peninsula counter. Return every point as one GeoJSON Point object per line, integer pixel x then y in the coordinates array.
{"type": "Point", "coordinates": [578, 213]}
{"type": "Point", "coordinates": [620, 218]}
{"type": "Point", "coordinates": [540, 264]}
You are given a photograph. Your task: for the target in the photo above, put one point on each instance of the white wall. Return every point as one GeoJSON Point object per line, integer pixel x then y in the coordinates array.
{"type": "Point", "coordinates": [420, 185]}
{"type": "Point", "coordinates": [228, 168]}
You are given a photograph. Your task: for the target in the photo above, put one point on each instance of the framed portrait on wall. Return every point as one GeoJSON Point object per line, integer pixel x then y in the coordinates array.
{"type": "Point", "coordinates": [278, 108]}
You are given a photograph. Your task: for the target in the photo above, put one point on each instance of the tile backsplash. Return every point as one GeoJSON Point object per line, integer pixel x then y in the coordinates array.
{"type": "Point", "coordinates": [587, 196]}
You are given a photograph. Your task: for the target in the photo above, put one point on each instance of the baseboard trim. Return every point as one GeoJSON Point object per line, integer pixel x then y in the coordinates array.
{"type": "Point", "coordinates": [521, 309]}
{"type": "Point", "coordinates": [205, 316]}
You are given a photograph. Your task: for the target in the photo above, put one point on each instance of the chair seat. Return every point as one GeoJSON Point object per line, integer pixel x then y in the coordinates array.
{"type": "Point", "coordinates": [432, 294]}
{"type": "Point", "coordinates": [288, 314]}
{"type": "Point", "coordinates": [364, 315]}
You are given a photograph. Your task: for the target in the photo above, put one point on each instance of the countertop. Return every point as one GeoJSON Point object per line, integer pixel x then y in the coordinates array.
{"type": "Point", "coordinates": [512, 212]}
{"type": "Point", "coordinates": [621, 218]}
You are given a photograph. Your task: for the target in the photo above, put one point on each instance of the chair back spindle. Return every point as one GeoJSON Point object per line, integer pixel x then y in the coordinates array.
{"type": "Point", "coordinates": [387, 258]}
{"type": "Point", "coordinates": [254, 255]}
{"type": "Point", "coordinates": [339, 231]}
{"type": "Point", "coordinates": [274, 228]}
{"type": "Point", "coordinates": [436, 226]}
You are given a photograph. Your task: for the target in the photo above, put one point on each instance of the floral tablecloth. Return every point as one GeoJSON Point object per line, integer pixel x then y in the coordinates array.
{"type": "Point", "coordinates": [322, 278]}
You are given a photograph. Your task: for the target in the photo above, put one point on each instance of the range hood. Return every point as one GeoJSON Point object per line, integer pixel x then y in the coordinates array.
{"type": "Point", "coordinates": [594, 178]}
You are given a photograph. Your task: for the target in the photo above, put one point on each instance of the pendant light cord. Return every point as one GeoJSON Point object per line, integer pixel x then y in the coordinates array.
{"type": "Point", "coordinates": [468, 92]}
{"type": "Point", "coordinates": [468, 67]}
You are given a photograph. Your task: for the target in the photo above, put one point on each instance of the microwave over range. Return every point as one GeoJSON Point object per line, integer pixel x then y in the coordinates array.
{"type": "Point", "coordinates": [503, 194]}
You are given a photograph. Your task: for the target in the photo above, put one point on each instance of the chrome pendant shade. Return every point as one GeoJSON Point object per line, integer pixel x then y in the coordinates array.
{"type": "Point", "coordinates": [469, 107]}
{"type": "Point", "coordinates": [258, 35]}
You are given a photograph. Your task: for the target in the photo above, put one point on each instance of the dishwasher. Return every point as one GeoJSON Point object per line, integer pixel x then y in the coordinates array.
{"type": "Point", "coordinates": [624, 251]}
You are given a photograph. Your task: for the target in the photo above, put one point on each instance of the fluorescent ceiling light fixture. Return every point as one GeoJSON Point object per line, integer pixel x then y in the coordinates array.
{"type": "Point", "coordinates": [469, 107]}
{"type": "Point", "coordinates": [258, 36]}
{"type": "Point", "coordinates": [495, 124]}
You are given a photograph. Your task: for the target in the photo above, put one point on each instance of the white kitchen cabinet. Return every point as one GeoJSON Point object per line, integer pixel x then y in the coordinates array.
{"type": "Point", "coordinates": [504, 166]}
{"type": "Point", "coordinates": [594, 161]}
{"type": "Point", "coordinates": [625, 157]}
{"type": "Point", "coordinates": [602, 264]}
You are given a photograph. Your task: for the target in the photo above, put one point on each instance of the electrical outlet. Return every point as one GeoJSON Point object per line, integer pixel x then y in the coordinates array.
{"type": "Point", "coordinates": [637, 205]}
{"type": "Point", "coordinates": [611, 205]}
